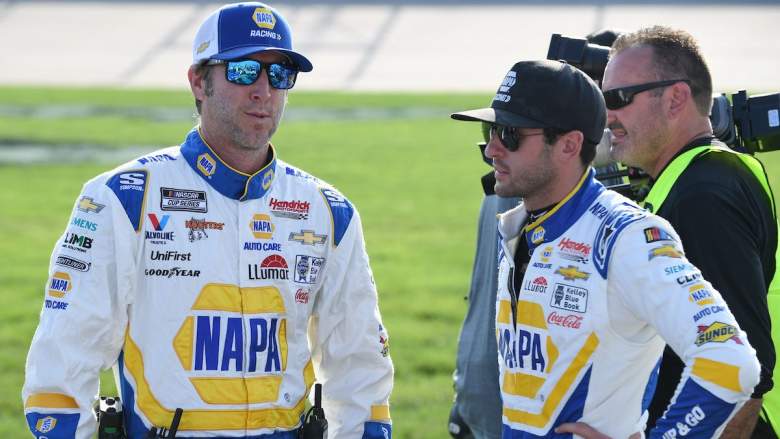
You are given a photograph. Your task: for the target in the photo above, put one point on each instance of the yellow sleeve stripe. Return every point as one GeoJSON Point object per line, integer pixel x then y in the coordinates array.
{"type": "Point", "coordinates": [380, 412]}
{"type": "Point", "coordinates": [51, 401]}
{"type": "Point", "coordinates": [722, 374]}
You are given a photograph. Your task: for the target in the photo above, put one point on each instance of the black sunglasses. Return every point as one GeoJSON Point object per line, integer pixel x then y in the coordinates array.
{"type": "Point", "coordinates": [620, 97]}
{"type": "Point", "coordinates": [509, 136]}
{"type": "Point", "coordinates": [248, 71]}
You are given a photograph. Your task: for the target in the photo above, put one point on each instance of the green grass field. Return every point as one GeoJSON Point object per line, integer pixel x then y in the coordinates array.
{"type": "Point", "coordinates": [415, 183]}
{"type": "Point", "coordinates": [414, 180]}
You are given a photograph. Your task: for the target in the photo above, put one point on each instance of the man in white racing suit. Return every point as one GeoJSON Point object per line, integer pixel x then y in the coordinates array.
{"type": "Point", "coordinates": [215, 277]}
{"type": "Point", "coordinates": [590, 286]}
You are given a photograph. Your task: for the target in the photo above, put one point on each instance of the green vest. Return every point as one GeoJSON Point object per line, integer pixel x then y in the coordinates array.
{"type": "Point", "coordinates": [655, 199]}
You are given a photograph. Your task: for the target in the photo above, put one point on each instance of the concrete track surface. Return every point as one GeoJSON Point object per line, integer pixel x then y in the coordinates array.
{"type": "Point", "coordinates": [363, 45]}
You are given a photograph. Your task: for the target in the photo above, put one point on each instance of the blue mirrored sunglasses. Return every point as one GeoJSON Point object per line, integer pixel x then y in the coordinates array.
{"type": "Point", "coordinates": [247, 71]}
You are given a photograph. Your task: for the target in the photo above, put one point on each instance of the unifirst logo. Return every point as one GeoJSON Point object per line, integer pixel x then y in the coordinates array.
{"type": "Point", "coordinates": [206, 164]}
{"type": "Point", "coordinates": [264, 17]}
{"type": "Point", "coordinates": [60, 285]}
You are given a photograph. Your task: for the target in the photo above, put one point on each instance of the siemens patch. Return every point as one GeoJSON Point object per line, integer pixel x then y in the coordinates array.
{"type": "Point", "coordinates": [183, 200]}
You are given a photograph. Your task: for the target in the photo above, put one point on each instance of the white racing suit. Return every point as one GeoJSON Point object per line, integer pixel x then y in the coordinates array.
{"type": "Point", "coordinates": [607, 283]}
{"type": "Point", "coordinates": [217, 292]}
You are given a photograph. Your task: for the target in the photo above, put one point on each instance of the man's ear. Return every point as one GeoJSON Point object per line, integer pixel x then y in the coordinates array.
{"type": "Point", "coordinates": [679, 96]}
{"type": "Point", "coordinates": [196, 83]}
{"type": "Point", "coordinates": [570, 144]}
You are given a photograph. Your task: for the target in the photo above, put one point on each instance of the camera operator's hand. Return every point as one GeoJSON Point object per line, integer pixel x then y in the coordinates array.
{"type": "Point", "coordinates": [457, 427]}
{"type": "Point", "coordinates": [586, 431]}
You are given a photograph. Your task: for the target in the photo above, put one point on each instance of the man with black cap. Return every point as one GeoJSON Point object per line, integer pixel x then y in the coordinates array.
{"type": "Point", "coordinates": [590, 286]}
{"type": "Point", "coordinates": [215, 277]}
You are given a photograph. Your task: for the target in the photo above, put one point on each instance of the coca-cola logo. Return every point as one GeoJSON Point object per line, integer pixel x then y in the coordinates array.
{"type": "Point", "coordinates": [302, 296]}
{"type": "Point", "coordinates": [574, 246]}
{"type": "Point", "coordinates": [567, 320]}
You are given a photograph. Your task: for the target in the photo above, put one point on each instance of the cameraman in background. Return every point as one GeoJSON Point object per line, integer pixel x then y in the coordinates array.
{"type": "Point", "coordinates": [476, 411]}
{"type": "Point", "coordinates": [658, 93]}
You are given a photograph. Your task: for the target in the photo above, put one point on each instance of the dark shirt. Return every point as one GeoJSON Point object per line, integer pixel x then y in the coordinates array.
{"type": "Point", "coordinates": [478, 400]}
{"type": "Point", "coordinates": [728, 230]}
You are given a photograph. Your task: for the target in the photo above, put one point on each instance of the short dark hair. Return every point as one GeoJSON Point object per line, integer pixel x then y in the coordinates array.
{"type": "Point", "coordinates": [204, 71]}
{"type": "Point", "coordinates": [587, 152]}
{"type": "Point", "coordinates": [676, 55]}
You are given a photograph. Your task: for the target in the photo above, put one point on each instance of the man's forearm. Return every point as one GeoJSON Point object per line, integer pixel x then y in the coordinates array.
{"type": "Point", "coordinates": [742, 424]}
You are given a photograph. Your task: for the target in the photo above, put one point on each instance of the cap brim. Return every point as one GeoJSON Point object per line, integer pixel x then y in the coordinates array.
{"type": "Point", "coordinates": [301, 62]}
{"type": "Point", "coordinates": [500, 117]}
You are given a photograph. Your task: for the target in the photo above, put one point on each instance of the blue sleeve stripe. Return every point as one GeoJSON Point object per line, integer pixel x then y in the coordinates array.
{"type": "Point", "coordinates": [53, 425]}
{"type": "Point", "coordinates": [377, 430]}
{"type": "Point", "coordinates": [130, 188]}
{"type": "Point", "coordinates": [695, 413]}
{"type": "Point", "coordinates": [341, 212]}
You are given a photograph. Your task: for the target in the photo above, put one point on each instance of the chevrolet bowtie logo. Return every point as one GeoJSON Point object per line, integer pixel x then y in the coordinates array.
{"type": "Point", "coordinates": [308, 237]}
{"type": "Point", "coordinates": [87, 204]}
{"type": "Point", "coordinates": [669, 251]}
{"type": "Point", "coordinates": [572, 273]}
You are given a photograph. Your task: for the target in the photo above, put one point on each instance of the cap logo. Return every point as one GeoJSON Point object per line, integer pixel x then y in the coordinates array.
{"type": "Point", "coordinates": [264, 18]}
{"type": "Point", "coordinates": [203, 46]}
{"type": "Point", "coordinates": [509, 80]}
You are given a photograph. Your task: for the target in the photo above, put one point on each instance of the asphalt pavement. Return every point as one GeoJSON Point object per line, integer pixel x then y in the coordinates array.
{"type": "Point", "coordinates": [364, 45]}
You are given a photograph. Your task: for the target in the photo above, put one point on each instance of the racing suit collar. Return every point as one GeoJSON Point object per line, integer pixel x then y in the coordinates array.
{"type": "Point", "coordinates": [563, 214]}
{"type": "Point", "coordinates": [226, 180]}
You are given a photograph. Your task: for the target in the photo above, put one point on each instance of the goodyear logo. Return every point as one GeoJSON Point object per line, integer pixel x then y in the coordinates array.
{"type": "Point", "coordinates": [261, 226]}
{"type": "Point", "coordinates": [60, 284]}
{"type": "Point", "coordinates": [717, 333]}
{"type": "Point", "coordinates": [572, 273]}
{"type": "Point", "coordinates": [668, 251]}
{"type": "Point", "coordinates": [206, 164]}
{"type": "Point", "coordinates": [538, 235]}
{"type": "Point", "coordinates": [264, 18]}
{"type": "Point", "coordinates": [700, 295]}
{"type": "Point", "coordinates": [45, 425]}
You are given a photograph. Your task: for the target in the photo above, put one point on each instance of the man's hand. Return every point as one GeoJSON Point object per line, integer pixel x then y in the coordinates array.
{"type": "Point", "coordinates": [741, 426]}
{"type": "Point", "coordinates": [586, 431]}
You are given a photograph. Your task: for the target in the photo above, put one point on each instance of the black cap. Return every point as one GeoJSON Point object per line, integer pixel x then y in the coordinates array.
{"type": "Point", "coordinates": [546, 94]}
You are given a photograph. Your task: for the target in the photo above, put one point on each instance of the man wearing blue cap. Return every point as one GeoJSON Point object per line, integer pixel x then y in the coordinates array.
{"type": "Point", "coordinates": [213, 276]}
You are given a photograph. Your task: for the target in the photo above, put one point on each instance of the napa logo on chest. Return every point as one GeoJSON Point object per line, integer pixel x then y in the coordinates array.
{"type": "Point", "coordinates": [238, 336]}
{"type": "Point", "coordinates": [526, 349]}
{"type": "Point", "coordinates": [261, 226]}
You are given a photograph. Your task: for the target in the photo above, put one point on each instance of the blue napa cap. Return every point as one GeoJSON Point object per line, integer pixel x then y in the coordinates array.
{"type": "Point", "coordinates": [241, 29]}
